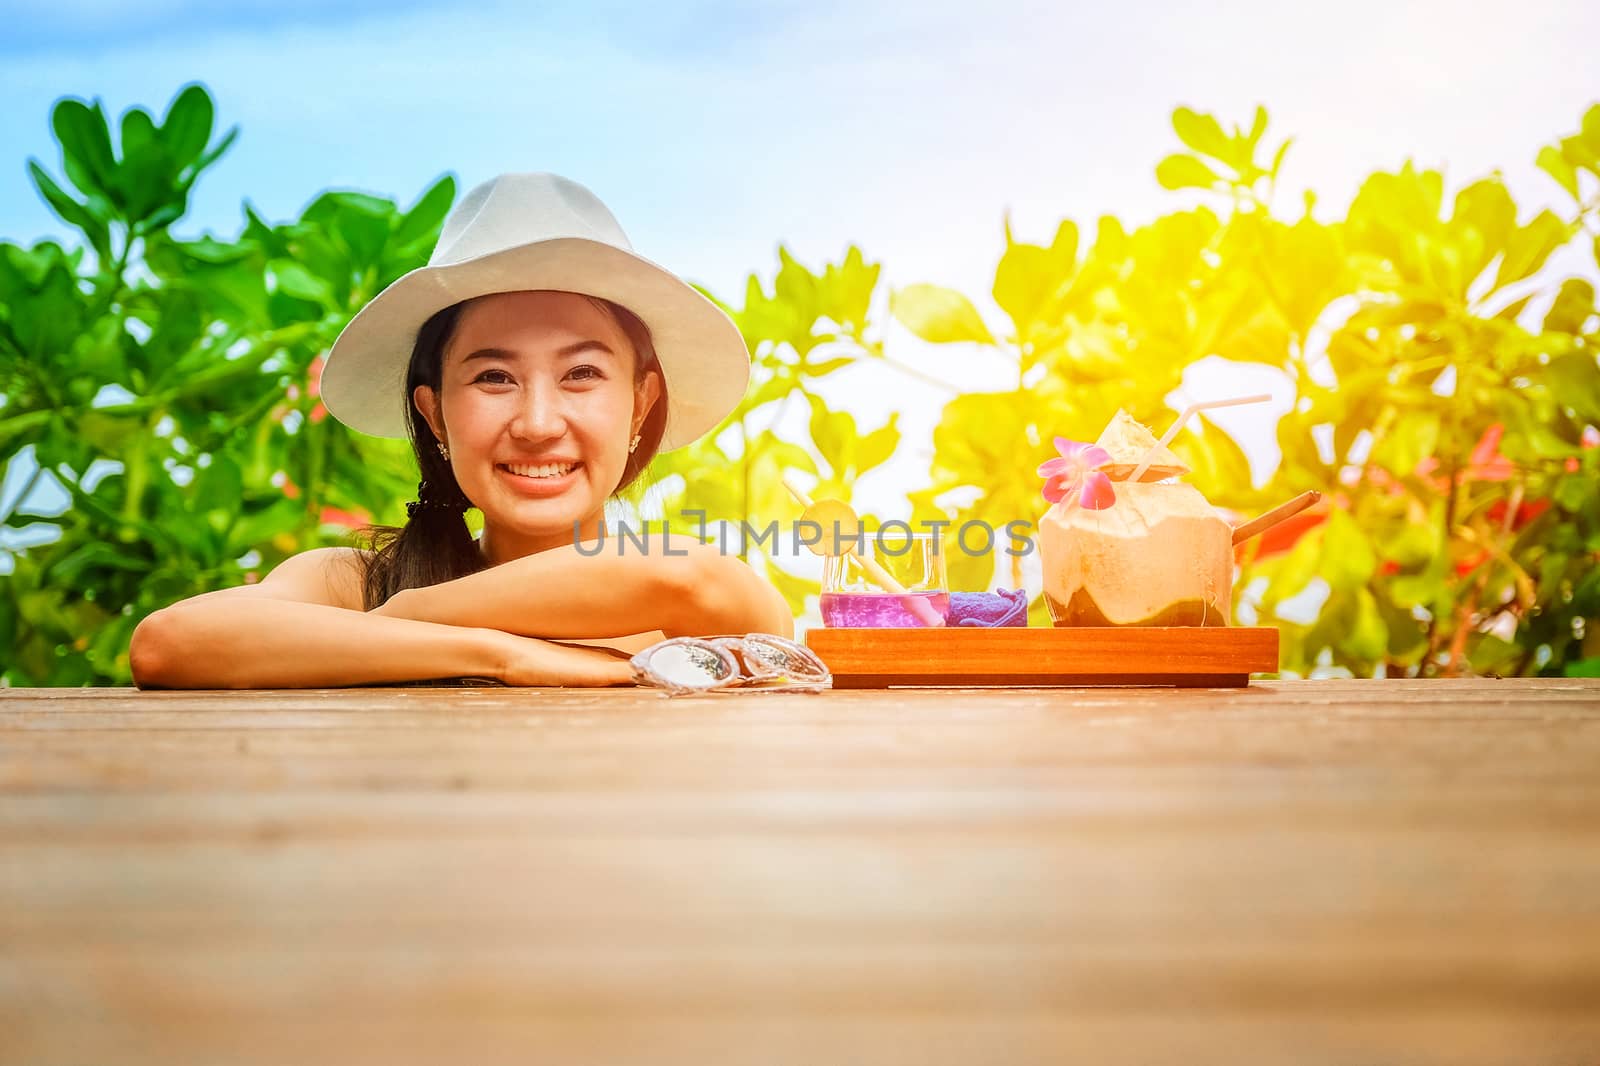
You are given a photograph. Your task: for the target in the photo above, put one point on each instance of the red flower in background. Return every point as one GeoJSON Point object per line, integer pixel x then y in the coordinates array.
{"type": "Point", "coordinates": [1527, 511]}
{"type": "Point", "coordinates": [1485, 463]}
{"type": "Point", "coordinates": [1285, 535]}
{"type": "Point", "coordinates": [314, 386]}
{"type": "Point", "coordinates": [332, 516]}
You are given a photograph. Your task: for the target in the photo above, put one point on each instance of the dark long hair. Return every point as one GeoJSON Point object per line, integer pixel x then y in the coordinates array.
{"type": "Point", "coordinates": [436, 545]}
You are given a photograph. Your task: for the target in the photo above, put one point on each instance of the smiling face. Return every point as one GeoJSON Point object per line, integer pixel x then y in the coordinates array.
{"type": "Point", "coordinates": [537, 403]}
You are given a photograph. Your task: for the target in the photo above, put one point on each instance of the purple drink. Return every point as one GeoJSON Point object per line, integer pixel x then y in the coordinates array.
{"type": "Point", "coordinates": [879, 610]}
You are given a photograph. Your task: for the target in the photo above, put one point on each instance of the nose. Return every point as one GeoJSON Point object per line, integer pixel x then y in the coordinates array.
{"type": "Point", "coordinates": [541, 412]}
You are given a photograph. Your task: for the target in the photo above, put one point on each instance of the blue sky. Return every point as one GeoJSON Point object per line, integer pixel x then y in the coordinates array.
{"type": "Point", "coordinates": [716, 130]}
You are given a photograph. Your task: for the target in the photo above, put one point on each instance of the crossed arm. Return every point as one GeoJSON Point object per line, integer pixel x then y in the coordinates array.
{"type": "Point", "coordinates": [299, 629]}
{"type": "Point", "coordinates": [674, 584]}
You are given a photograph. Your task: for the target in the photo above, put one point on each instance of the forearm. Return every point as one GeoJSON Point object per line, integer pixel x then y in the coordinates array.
{"type": "Point", "coordinates": [559, 593]}
{"type": "Point", "coordinates": [256, 642]}
{"type": "Point", "coordinates": [680, 588]}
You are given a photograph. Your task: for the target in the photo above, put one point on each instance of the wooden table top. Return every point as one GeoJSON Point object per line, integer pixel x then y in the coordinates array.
{"type": "Point", "coordinates": [1309, 872]}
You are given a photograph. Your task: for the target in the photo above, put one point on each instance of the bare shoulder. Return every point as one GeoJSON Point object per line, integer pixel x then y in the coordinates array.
{"type": "Point", "coordinates": [685, 543]}
{"type": "Point", "coordinates": [343, 574]}
{"type": "Point", "coordinates": [331, 576]}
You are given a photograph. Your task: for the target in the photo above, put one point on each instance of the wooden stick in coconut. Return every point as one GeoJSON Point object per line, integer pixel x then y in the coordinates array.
{"type": "Point", "coordinates": [1281, 513]}
{"type": "Point", "coordinates": [1188, 413]}
{"type": "Point", "coordinates": [917, 605]}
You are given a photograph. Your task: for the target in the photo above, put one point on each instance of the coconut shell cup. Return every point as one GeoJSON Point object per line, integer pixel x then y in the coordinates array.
{"type": "Point", "coordinates": [1159, 555]}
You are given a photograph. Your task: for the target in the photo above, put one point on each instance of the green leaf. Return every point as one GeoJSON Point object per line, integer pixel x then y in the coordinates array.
{"type": "Point", "coordinates": [71, 212]}
{"type": "Point", "coordinates": [1203, 133]}
{"type": "Point", "coordinates": [25, 428]}
{"type": "Point", "coordinates": [939, 315]}
{"type": "Point", "coordinates": [845, 291]}
{"type": "Point", "coordinates": [1573, 305]}
{"type": "Point", "coordinates": [1218, 465]}
{"type": "Point", "coordinates": [1348, 560]}
{"type": "Point", "coordinates": [834, 433]}
{"type": "Point", "coordinates": [1591, 128]}
{"type": "Point", "coordinates": [258, 525]}
{"type": "Point", "coordinates": [1179, 171]}
{"type": "Point", "coordinates": [138, 131]}
{"type": "Point", "coordinates": [108, 432]}
{"type": "Point", "coordinates": [217, 151]}
{"type": "Point", "coordinates": [187, 125]}
{"type": "Point", "coordinates": [1576, 494]}
{"type": "Point", "coordinates": [209, 250]}
{"type": "Point", "coordinates": [796, 286]}
{"type": "Point", "coordinates": [820, 368]}
{"type": "Point", "coordinates": [360, 222]}
{"type": "Point", "coordinates": [1575, 379]}
{"type": "Point", "coordinates": [1487, 210]}
{"type": "Point", "coordinates": [95, 555]}
{"type": "Point", "coordinates": [46, 304]}
{"type": "Point", "coordinates": [1258, 126]}
{"type": "Point", "coordinates": [1368, 638]}
{"type": "Point", "coordinates": [1530, 246]}
{"type": "Point", "coordinates": [1028, 277]}
{"type": "Point", "coordinates": [85, 145]}
{"type": "Point", "coordinates": [1553, 163]}
{"type": "Point", "coordinates": [424, 217]}
{"type": "Point", "coordinates": [1412, 438]}
{"type": "Point", "coordinates": [295, 280]}
{"type": "Point", "coordinates": [1277, 165]}
{"type": "Point", "coordinates": [1289, 575]}
{"type": "Point", "coordinates": [876, 447]}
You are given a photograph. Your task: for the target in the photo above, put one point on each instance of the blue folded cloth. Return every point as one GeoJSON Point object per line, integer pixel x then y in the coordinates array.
{"type": "Point", "coordinates": [1003, 607]}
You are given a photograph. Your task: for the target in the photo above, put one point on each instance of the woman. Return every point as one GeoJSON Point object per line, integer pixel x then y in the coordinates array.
{"type": "Point", "coordinates": [530, 363]}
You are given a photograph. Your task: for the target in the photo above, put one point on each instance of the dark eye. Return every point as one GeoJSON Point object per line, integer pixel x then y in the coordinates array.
{"type": "Point", "coordinates": [484, 376]}
{"type": "Point", "coordinates": [593, 374]}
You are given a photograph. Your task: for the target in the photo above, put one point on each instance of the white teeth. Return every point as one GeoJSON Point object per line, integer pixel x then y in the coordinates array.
{"type": "Point", "coordinates": [542, 471]}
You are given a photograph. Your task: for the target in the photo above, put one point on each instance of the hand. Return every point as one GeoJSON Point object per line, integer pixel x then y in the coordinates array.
{"type": "Point", "coordinates": [531, 661]}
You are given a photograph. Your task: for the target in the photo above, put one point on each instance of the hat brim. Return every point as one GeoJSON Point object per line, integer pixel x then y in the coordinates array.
{"type": "Point", "coordinates": [702, 355]}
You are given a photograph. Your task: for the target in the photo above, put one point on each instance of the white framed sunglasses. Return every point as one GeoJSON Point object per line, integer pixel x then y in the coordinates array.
{"type": "Point", "coordinates": [755, 662]}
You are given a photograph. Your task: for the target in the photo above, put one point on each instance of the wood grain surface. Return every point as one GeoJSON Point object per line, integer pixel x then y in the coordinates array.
{"type": "Point", "coordinates": [1305, 872]}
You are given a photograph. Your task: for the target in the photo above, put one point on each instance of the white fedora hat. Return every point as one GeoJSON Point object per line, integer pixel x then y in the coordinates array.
{"type": "Point", "coordinates": [537, 231]}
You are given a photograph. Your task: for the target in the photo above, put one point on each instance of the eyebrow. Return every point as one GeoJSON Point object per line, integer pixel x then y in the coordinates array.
{"type": "Point", "coordinates": [576, 348]}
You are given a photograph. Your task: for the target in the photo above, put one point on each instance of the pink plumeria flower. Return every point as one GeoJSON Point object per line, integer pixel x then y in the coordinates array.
{"type": "Point", "coordinates": [1074, 472]}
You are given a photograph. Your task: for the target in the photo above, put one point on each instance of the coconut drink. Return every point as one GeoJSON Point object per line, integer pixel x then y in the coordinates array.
{"type": "Point", "coordinates": [1126, 544]}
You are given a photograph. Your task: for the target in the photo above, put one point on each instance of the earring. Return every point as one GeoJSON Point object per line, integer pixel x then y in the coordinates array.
{"type": "Point", "coordinates": [443, 450]}
{"type": "Point", "coordinates": [634, 443]}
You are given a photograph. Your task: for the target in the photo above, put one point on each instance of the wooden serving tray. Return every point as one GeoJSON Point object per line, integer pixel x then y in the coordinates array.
{"type": "Point", "coordinates": [1186, 656]}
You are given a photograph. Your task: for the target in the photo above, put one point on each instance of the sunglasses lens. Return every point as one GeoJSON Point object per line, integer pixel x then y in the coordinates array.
{"type": "Point", "coordinates": [686, 665]}
{"type": "Point", "coordinates": [785, 657]}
